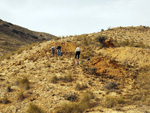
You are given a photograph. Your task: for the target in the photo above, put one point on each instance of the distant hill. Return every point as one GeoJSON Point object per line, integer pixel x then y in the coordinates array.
{"type": "Point", "coordinates": [13, 37]}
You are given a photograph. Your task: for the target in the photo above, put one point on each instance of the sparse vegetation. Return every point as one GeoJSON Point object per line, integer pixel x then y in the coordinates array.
{"type": "Point", "coordinates": [130, 43]}
{"type": "Point", "coordinates": [143, 79]}
{"type": "Point", "coordinates": [111, 101]}
{"type": "Point", "coordinates": [19, 50]}
{"type": "Point", "coordinates": [123, 64]}
{"type": "Point", "coordinates": [78, 107]}
{"type": "Point", "coordinates": [142, 83]}
{"type": "Point", "coordinates": [67, 78]}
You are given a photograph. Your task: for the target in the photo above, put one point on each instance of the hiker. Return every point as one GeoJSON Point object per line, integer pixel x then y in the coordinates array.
{"type": "Point", "coordinates": [78, 50]}
{"type": "Point", "coordinates": [58, 50]}
{"type": "Point", "coordinates": [52, 50]}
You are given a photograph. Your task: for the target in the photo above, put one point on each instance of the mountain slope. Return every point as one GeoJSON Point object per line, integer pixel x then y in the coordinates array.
{"type": "Point", "coordinates": [13, 37]}
{"type": "Point", "coordinates": [107, 82]}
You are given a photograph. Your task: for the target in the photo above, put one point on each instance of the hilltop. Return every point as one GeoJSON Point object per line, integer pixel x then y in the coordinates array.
{"type": "Point", "coordinates": [12, 37]}
{"type": "Point", "coordinates": [113, 77]}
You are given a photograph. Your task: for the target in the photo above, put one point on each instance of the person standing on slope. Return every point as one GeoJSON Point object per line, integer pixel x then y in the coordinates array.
{"type": "Point", "coordinates": [78, 51]}
{"type": "Point", "coordinates": [58, 50]}
{"type": "Point", "coordinates": [52, 50]}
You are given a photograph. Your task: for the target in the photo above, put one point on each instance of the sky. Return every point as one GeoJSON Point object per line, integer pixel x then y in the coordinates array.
{"type": "Point", "coordinates": [74, 17]}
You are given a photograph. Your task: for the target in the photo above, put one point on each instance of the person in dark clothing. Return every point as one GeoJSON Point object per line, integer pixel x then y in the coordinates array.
{"type": "Point", "coordinates": [58, 50]}
{"type": "Point", "coordinates": [78, 51]}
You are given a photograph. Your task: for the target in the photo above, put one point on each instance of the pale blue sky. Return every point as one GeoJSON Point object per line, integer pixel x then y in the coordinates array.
{"type": "Point", "coordinates": [73, 17]}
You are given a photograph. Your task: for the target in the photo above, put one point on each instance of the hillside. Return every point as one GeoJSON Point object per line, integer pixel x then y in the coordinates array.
{"type": "Point", "coordinates": [114, 79]}
{"type": "Point", "coordinates": [13, 37]}
{"type": "Point", "coordinates": [133, 36]}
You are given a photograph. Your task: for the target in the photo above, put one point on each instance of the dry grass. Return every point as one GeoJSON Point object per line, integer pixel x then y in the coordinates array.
{"type": "Point", "coordinates": [54, 79]}
{"type": "Point", "coordinates": [32, 108]}
{"type": "Point", "coordinates": [77, 107]}
{"type": "Point", "coordinates": [19, 50]}
{"type": "Point", "coordinates": [131, 56]}
{"type": "Point", "coordinates": [143, 80]}
{"type": "Point", "coordinates": [66, 78]}
{"type": "Point", "coordinates": [24, 83]}
{"type": "Point", "coordinates": [72, 96]}
{"type": "Point", "coordinates": [112, 101]}
{"type": "Point", "coordinates": [80, 86]}
{"type": "Point", "coordinates": [142, 83]}
{"type": "Point", "coordinates": [4, 100]}
{"type": "Point", "coordinates": [9, 88]}
{"type": "Point", "coordinates": [20, 96]}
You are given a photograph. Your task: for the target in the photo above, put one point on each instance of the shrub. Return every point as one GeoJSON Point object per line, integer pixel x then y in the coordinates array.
{"type": "Point", "coordinates": [92, 71]}
{"type": "Point", "coordinates": [54, 79]}
{"type": "Point", "coordinates": [101, 38]}
{"type": "Point", "coordinates": [34, 109]}
{"type": "Point", "coordinates": [78, 107]}
{"type": "Point", "coordinates": [72, 96]}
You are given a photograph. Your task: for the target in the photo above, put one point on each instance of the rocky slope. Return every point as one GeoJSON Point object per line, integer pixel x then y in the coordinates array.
{"type": "Point", "coordinates": [105, 83]}
{"type": "Point", "coordinates": [13, 37]}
